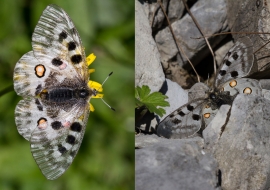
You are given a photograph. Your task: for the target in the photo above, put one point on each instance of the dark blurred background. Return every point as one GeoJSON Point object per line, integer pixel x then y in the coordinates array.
{"type": "Point", "coordinates": [106, 157]}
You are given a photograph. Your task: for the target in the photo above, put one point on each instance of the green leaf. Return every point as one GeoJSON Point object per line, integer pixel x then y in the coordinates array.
{"type": "Point", "coordinates": [153, 101]}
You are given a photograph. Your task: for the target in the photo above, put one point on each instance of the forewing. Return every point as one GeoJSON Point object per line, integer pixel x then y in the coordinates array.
{"type": "Point", "coordinates": [31, 76]}
{"type": "Point", "coordinates": [238, 62]}
{"type": "Point", "coordinates": [183, 122]}
{"type": "Point", "coordinates": [54, 141]}
{"type": "Point", "coordinates": [57, 41]}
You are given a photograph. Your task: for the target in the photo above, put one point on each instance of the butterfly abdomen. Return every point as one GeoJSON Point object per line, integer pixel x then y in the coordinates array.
{"type": "Point", "coordinates": [64, 95]}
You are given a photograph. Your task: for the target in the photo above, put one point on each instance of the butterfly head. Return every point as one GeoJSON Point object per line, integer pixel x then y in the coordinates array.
{"type": "Point", "coordinates": [83, 93]}
{"type": "Point", "coordinates": [212, 96]}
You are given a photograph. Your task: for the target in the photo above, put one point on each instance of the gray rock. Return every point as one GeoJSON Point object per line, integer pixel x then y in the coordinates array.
{"type": "Point", "coordinates": [147, 59]}
{"type": "Point", "coordinates": [243, 149]}
{"type": "Point", "coordinates": [211, 16]}
{"type": "Point", "coordinates": [174, 9]}
{"type": "Point", "coordinates": [175, 164]}
{"type": "Point", "coordinates": [142, 140]}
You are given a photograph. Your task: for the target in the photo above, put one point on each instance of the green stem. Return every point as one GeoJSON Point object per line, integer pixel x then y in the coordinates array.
{"type": "Point", "coordinates": [6, 90]}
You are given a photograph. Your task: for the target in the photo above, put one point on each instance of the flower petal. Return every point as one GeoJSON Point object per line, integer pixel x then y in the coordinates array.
{"type": "Point", "coordinates": [95, 85]}
{"type": "Point", "coordinates": [91, 71]}
{"type": "Point", "coordinates": [98, 96]}
{"type": "Point", "coordinates": [90, 59]}
{"type": "Point", "coordinates": [91, 107]}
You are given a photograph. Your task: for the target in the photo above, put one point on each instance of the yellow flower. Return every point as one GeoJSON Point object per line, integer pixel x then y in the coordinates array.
{"type": "Point", "coordinates": [92, 84]}
{"type": "Point", "coordinates": [90, 59]}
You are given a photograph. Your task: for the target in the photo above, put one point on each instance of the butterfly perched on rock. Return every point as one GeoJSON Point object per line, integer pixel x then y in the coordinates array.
{"type": "Point", "coordinates": [54, 82]}
{"type": "Point", "coordinates": [205, 101]}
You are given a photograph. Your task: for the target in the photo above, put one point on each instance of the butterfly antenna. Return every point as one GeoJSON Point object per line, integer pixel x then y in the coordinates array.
{"type": "Point", "coordinates": [102, 98]}
{"type": "Point", "coordinates": [107, 104]}
{"type": "Point", "coordinates": [107, 78]}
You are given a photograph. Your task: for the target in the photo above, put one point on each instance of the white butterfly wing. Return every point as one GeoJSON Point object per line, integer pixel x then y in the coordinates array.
{"type": "Point", "coordinates": [57, 41]}
{"type": "Point", "coordinates": [238, 63]}
{"type": "Point", "coordinates": [54, 141]}
{"type": "Point", "coordinates": [31, 76]}
{"type": "Point", "coordinates": [183, 122]}
{"type": "Point", "coordinates": [57, 50]}
{"type": "Point", "coordinates": [54, 130]}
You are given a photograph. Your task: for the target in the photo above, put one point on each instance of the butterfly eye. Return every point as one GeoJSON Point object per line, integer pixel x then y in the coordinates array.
{"type": "Point", "coordinates": [212, 96]}
{"type": "Point", "coordinates": [247, 90]}
{"type": "Point", "coordinates": [233, 83]}
{"type": "Point", "coordinates": [83, 93]}
{"type": "Point", "coordinates": [95, 92]}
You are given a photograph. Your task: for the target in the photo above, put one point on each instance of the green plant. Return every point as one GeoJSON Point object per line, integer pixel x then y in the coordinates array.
{"type": "Point", "coordinates": [153, 102]}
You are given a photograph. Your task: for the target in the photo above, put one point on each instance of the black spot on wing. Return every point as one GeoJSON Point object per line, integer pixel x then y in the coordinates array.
{"type": "Point", "coordinates": [39, 106]}
{"type": "Point", "coordinates": [76, 126]}
{"type": "Point", "coordinates": [38, 89]}
{"type": "Point", "coordinates": [73, 153]}
{"type": "Point", "coordinates": [235, 56]}
{"type": "Point", "coordinates": [71, 46]}
{"type": "Point", "coordinates": [176, 121]}
{"type": "Point", "coordinates": [181, 113]}
{"type": "Point", "coordinates": [222, 72]}
{"type": "Point", "coordinates": [62, 149]}
{"type": "Point", "coordinates": [57, 62]}
{"type": "Point", "coordinates": [234, 74]}
{"type": "Point", "coordinates": [228, 63]}
{"type": "Point", "coordinates": [70, 139]}
{"type": "Point", "coordinates": [77, 58]}
{"type": "Point", "coordinates": [190, 107]}
{"type": "Point", "coordinates": [62, 36]}
{"type": "Point", "coordinates": [56, 125]}
{"type": "Point", "coordinates": [196, 117]}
